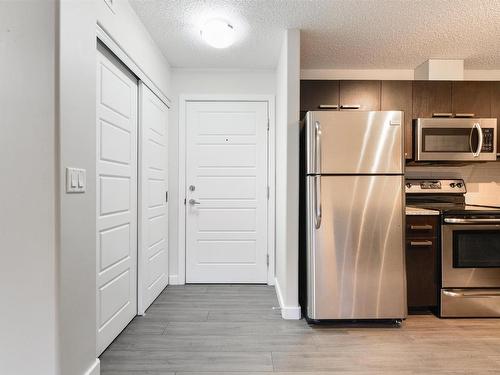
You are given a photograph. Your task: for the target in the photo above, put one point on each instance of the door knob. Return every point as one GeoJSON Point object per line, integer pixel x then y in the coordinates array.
{"type": "Point", "coordinates": [192, 188]}
{"type": "Point", "coordinates": [192, 202]}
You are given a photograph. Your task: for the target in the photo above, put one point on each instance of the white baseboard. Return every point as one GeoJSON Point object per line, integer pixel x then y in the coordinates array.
{"type": "Point", "coordinates": [287, 312]}
{"type": "Point", "coordinates": [95, 369]}
{"type": "Point", "coordinates": [174, 280]}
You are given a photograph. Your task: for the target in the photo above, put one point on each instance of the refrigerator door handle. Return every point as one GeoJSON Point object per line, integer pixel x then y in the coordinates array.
{"type": "Point", "coordinates": [317, 151]}
{"type": "Point", "coordinates": [317, 202]}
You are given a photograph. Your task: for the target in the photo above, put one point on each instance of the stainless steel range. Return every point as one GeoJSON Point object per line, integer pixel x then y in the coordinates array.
{"type": "Point", "coordinates": [470, 248]}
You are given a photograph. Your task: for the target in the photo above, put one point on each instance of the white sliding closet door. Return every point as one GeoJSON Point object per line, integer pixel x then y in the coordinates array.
{"type": "Point", "coordinates": [116, 193]}
{"type": "Point", "coordinates": [153, 218]}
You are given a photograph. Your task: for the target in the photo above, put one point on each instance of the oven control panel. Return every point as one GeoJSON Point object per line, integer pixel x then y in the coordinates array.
{"type": "Point", "coordinates": [416, 186]}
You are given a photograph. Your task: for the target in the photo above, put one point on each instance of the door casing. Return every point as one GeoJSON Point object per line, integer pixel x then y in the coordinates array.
{"type": "Point", "coordinates": [180, 278]}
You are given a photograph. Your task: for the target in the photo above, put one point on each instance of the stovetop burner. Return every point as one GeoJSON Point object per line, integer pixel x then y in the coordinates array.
{"type": "Point", "coordinates": [447, 197]}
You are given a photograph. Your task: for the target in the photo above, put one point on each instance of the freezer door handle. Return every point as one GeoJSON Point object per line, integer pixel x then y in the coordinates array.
{"type": "Point", "coordinates": [317, 202]}
{"type": "Point", "coordinates": [317, 148]}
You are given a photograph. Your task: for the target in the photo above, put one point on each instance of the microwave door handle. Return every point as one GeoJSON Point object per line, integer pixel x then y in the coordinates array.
{"type": "Point", "coordinates": [477, 126]}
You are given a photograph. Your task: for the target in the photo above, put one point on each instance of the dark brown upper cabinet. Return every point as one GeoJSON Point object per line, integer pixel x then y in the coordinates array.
{"type": "Point", "coordinates": [397, 96]}
{"type": "Point", "coordinates": [431, 98]}
{"type": "Point", "coordinates": [471, 98]}
{"type": "Point", "coordinates": [319, 95]}
{"type": "Point", "coordinates": [495, 107]}
{"type": "Point", "coordinates": [360, 95]}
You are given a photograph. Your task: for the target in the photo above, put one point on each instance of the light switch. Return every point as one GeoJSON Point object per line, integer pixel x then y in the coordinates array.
{"type": "Point", "coordinates": [81, 179]}
{"type": "Point", "coordinates": [75, 180]}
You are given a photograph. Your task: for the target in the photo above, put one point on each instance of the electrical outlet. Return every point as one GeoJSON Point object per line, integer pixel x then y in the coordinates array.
{"type": "Point", "coordinates": [76, 180]}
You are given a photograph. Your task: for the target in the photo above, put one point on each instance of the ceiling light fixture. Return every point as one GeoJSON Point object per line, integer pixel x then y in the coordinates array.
{"type": "Point", "coordinates": [218, 33]}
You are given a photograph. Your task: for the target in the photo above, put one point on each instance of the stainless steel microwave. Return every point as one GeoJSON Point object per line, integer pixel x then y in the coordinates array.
{"type": "Point", "coordinates": [455, 139]}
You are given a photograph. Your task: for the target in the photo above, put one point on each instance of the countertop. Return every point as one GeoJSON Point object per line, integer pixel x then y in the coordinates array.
{"type": "Point", "coordinates": [410, 210]}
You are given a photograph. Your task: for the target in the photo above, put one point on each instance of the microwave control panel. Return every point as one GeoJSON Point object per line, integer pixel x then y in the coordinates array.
{"type": "Point", "coordinates": [487, 140]}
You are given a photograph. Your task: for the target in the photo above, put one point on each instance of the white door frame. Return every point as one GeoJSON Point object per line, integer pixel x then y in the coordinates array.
{"type": "Point", "coordinates": [271, 175]}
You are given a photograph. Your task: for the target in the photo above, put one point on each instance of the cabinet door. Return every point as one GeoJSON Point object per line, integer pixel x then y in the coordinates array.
{"type": "Point", "coordinates": [495, 107]}
{"type": "Point", "coordinates": [431, 97]}
{"type": "Point", "coordinates": [317, 95]}
{"type": "Point", "coordinates": [421, 272]}
{"type": "Point", "coordinates": [360, 95]}
{"type": "Point", "coordinates": [471, 98]}
{"type": "Point", "coordinates": [397, 96]}
{"type": "Point", "coordinates": [422, 245]}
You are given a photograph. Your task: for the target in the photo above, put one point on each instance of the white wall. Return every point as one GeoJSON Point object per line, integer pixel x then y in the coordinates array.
{"type": "Point", "coordinates": [28, 331]}
{"type": "Point", "coordinates": [287, 174]}
{"type": "Point", "coordinates": [47, 102]}
{"type": "Point", "coordinates": [389, 74]}
{"type": "Point", "coordinates": [77, 259]}
{"type": "Point", "coordinates": [77, 65]}
{"type": "Point", "coordinates": [204, 82]}
{"type": "Point", "coordinates": [127, 30]}
{"type": "Point", "coordinates": [382, 74]}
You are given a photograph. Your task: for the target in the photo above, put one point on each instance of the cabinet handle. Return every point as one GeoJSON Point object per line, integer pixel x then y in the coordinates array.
{"type": "Point", "coordinates": [465, 115]}
{"type": "Point", "coordinates": [421, 243]}
{"type": "Point", "coordinates": [350, 106]}
{"type": "Point", "coordinates": [328, 106]}
{"type": "Point", "coordinates": [442, 114]}
{"type": "Point", "coordinates": [421, 227]}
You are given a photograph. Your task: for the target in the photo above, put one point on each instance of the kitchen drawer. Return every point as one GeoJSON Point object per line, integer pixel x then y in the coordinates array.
{"type": "Point", "coordinates": [470, 303]}
{"type": "Point", "coordinates": [421, 226]}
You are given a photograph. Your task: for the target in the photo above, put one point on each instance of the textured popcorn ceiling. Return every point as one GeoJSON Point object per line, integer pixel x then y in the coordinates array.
{"type": "Point", "coordinates": [348, 34]}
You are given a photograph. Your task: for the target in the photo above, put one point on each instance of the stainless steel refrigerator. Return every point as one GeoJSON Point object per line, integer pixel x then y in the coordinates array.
{"type": "Point", "coordinates": [354, 202]}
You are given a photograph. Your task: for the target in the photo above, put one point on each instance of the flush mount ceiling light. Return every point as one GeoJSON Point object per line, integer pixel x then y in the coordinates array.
{"type": "Point", "coordinates": [218, 33]}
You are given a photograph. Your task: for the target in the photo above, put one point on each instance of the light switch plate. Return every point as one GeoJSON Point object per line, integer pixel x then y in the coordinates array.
{"type": "Point", "coordinates": [75, 180]}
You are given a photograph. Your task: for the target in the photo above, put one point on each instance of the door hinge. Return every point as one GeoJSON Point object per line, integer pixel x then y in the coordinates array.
{"type": "Point", "coordinates": [268, 192]}
{"type": "Point", "coordinates": [268, 124]}
{"type": "Point", "coordinates": [184, 201]}
{"type": "Point", "coordinates": [166, 196]}
{"type": "Point", "coordinates": [267, 259]}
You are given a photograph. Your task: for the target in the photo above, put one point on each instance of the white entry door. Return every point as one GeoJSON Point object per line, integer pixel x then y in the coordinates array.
{"type": "Point", "coordinates": [153, 220]}
{"type": "Point", "coordinates": [116, 195]}
{"type": "Point", "coordinates": [226, 192]}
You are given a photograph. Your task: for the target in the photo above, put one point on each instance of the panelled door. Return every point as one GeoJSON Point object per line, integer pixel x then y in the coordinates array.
{"type": "Point", "coordinates": [226, 192]}
{"type": "Point", "coordinates": [116, 198]}
{"type": "Point", "coordinates": [153, 222]}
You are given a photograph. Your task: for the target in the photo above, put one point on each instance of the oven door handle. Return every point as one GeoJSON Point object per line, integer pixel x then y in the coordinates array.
{"type": "Point", "coordinates": [450, 220]}
{"type": "Point", "coordinates": [471, 294]}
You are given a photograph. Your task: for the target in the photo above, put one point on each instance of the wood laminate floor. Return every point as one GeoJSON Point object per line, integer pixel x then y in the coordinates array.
{"type": "Point", "coordinates": [234, 330]}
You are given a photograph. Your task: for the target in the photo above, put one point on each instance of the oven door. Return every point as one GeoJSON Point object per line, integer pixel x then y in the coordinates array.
{"type": "Point", "coordinates": [471, 253]}
{"type": "Point", "coordinates": [453, 139]}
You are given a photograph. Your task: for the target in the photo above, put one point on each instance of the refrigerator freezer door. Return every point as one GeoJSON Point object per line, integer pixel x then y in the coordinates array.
{"type": "Point", "coordinates": [355, 142]}
{"type": "Point", "coordinates": [355, 259]}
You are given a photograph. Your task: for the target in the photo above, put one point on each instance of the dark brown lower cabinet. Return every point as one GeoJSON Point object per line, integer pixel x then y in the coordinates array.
{"type": "Point", "coordinates": [422, 254]}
